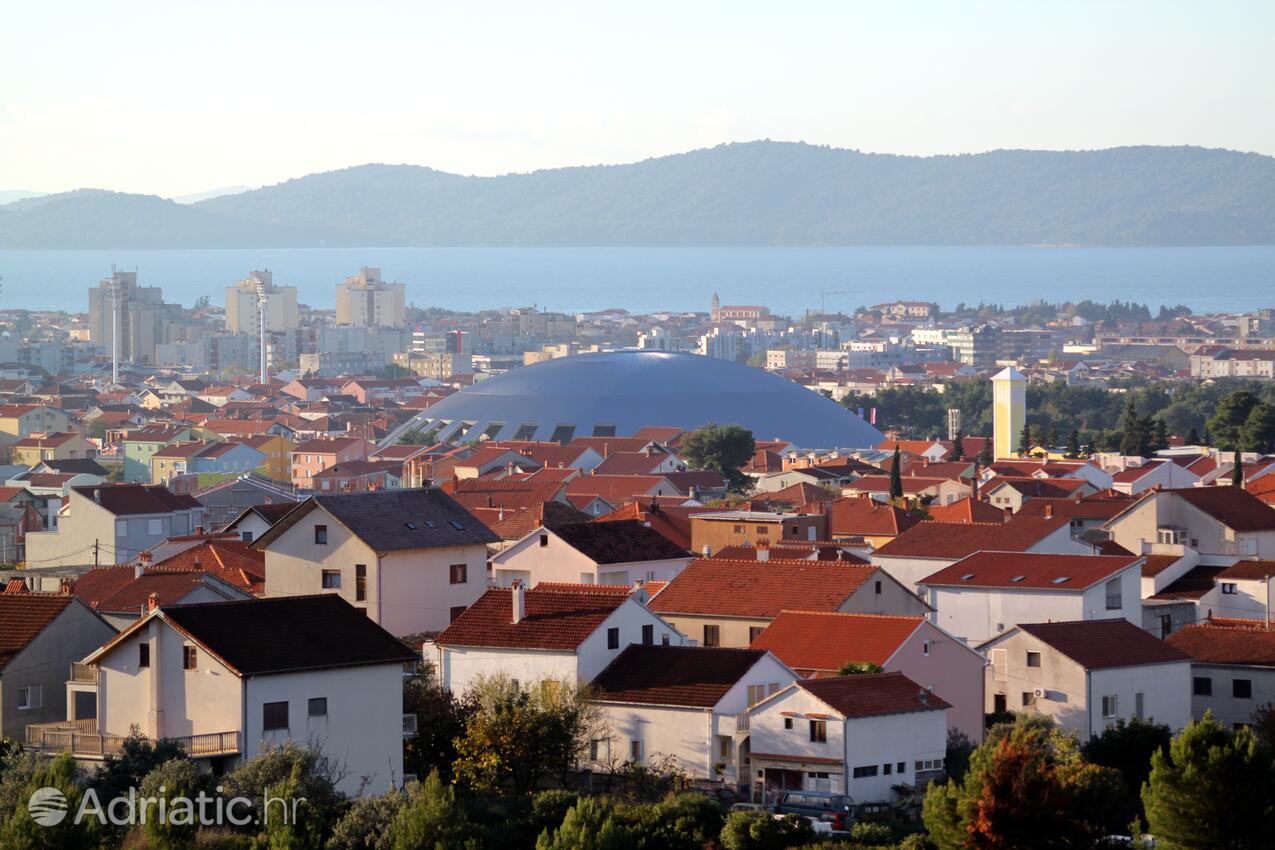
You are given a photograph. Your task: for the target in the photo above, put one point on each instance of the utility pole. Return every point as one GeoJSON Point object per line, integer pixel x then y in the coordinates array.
{"type": "Point", "coordinates": [115, 327]}
{"type": "Point", "coordinates": [96, 550]}
{"type": "Point", "coordinates": [261, 323]}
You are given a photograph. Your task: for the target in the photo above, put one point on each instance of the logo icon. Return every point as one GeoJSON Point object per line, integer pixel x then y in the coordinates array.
{"type": "Point", "coordinates": [47, 806]}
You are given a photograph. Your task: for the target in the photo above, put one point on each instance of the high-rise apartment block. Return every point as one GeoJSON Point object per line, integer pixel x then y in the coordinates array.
{"type": "Point", "coordinates": [368, 301]}
{"type": "Point", "coordinates": [142, 314]}
{"type": "Point", "coordinates": [241, 305]}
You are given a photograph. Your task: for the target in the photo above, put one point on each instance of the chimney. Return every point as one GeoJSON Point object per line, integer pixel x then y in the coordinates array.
{"type": "Point", "coordinates": [97, 495]}
{"type": "Point", "coordinates": [639, 591]}
{"type": "Point", "coordinates": [1049, 511]}
{"type": "Point", "coordinates": [64, 587]}
{"type": "Point", "coordinates": [763, 552]}
{"type": "Point", "coordinates": [1008, 514]}
{"type": "Point", "coordinates": [923, 696]}
{"type": "Point", "coordinates": [519, 600]}
{"type": "Point", "coordinates": [152, 602]}
{"type": "Point", "coordinates": [707, 551]}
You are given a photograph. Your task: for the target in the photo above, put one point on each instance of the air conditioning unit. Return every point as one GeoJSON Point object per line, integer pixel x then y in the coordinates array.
{"type": "Point", "coordinates": [1040, 693]}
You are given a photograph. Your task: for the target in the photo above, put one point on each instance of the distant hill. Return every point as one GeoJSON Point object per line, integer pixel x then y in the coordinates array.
{"type": "Point", "coordinates": [756, 193]}
{"type": "Point", "coordinates": [8, 195]}
{"type": "Point", "coordinates": [196, 197]}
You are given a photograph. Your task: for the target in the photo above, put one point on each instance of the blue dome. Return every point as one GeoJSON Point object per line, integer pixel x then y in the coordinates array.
{"type": "Point", "coordinates": [616, 393]}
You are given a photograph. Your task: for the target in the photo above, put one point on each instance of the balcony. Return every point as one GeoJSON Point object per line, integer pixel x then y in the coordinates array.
{"type": "Point", "coordinates": [83, 674]}
{"type": "Point", "coordinates": [81, 738]}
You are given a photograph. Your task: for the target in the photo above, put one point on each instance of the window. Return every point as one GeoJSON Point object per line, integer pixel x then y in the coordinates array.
{"type": "Point", "coordinates": [712, 636]}
{"type": "Point", "coordinates": [1242, 688]}
{"type": "Point", "coordinates": [865, 771]}
{"type": "Point", "coordinates": [274, 715]}
{"type": "Point", "coordinates": [925, 647]}
{"type": "Point", "coordinates": [761, 529]}
{"type": "Point", "coordinates": [245, 536]}
{"type": "Point", "coordinates": [723, 747]}
{"type": "Point", "coordinates": [1113, 595]}
{"type": "Point", "coordinates": [754, 632]}
{"type": "Point", "coordinates": [878, 590]}
{"type": "Point", "coordinates": [1029, 698]}
{"type": "Point", "coordinates": [331, 579]}
{"type": "Point", "coordinates": [321, 535]}
{"type": "Point", "coordinates": [189, 660]}
{"type": "Point", "coordinates": [459, 573]}
{"type": "Point", "coordinates": [819, 731]}
{"type": "Point", "coordinates": [757, 693]}
{"type": "Point", "coordinates": [1202, 686]}
{"type": "Point", "coordinates": [648, 635]}
{"type": "Point", "coordinates": [901, 767]}
{"type": "Point", "coordinates": [455, 612]}
{"type": "Point", "coordinates": [143, 655]}
{"type": "Point", "coordinates": [635, 750]}
{"type": "Point", "coordinates": [360, 582]}
{"type": "Point", "coordinates": [1109, 706]}
{"type": "Point", "coordinates": [154, 527]}
{"type": "Point", "coordinates": [544, 540]}
{"type": "Point", "coordinates": [1033, 659]}
{"type": "Point", "coordinates": [31, 696]}
{"type": "Point", "coordinates": [613, 638]}
{"type": "Point", "coordinates": [787, 722]}
{"type": "Point", "coordinates": [929, 764]}
{"type": "Point", "coordinates": [664, 639]}
{"type": "Point", "coordinates": [1228, 587]}
{"type": "Point", "coordinates": [887, 769]}
{"type": "Point", "coordinates": [317, 707]}
{"type": "Point", "coordinates": [1138, 705]}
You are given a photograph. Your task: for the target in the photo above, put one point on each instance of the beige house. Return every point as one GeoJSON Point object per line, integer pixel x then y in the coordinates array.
{"type": "Point", "coordinates": [1221, 523]}
{"type": "Point", "coordinates": [723, 602]}
{"type": "Point", "coordinates": [413, 560]}
{"type": "Point", "coordinates": [65, 445]}
{"type": "Point", "coordinates": [22, 420]}
{"type": "Point", "coordinates": [1085, 675]}
{"type": "Point", "coordinates": [619, 552]}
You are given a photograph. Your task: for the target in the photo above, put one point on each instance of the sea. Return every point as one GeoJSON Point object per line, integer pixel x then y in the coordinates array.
{"type": "Point", "coordinates": [645, 280]}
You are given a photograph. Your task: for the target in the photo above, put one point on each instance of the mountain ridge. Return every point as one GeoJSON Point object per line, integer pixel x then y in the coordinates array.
{"type": "Point", "coordinates": [750, 193]}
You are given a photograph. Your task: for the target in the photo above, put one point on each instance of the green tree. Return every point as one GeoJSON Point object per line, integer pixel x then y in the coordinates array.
{"type": "Point", "coordinates": [1237, 470]}
{"type": "Point", "coordinates": [1159, 435]}
{"type": "Point", "coordinates": [366, 824]}
{"type": "Point", "coordinates": [588, 825]}
{"type": "Point", "coordinates": [1258, 433]}
{"type": "Point", "coordinates": [761, 831]}
{"type": "Point", "coordinates": [678, 822]}
{"type": "Point", "coordinates": [896, 475]}
{"type": "Point", "coordinates": [137, 757]}
{"type": "Point", "coordinates": [1025, 439]}
{"type": "Point", "coordinates": [1193, 437]}
{"type": "Point", "coordinates": [440, 719]}
{"type": "Point", "coordinates": [1213, 789]}
{"type": "Point", "coordinates": [1226, 425]}
{"type": "Point", "coordinates": [724, 449]}
{"type": "Point", "coordinates": [173, 779]}
{"type": "Point", "coordinates": [1127, 746]}
{"type": "Point", "coordinates": [1073, 443]}
{"type": "Point", "coordinates": [1027, 787]}
{"type": "Point", "coordinates": [858, 668]}
{"type": "Point", "coordinates": [20, 832]}
{"type": "Point", "coordinates": [958, 446]}
{"type": "Point", "coordinates": [517, 736]}
{"type": "Point", "coordinates": [1135, 431]}
{"type": "Point", "coordinates": [987, 456]}
{"type": "Point", "coordinates": [289, 766]}
{"type": "Point", "coordinates": [431, 818]}
{"type": "Point", "coordinates": [1054, 437]}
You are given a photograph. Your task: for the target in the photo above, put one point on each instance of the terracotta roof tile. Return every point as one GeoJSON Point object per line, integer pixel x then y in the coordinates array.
{"type": "Point", "coordinates": [952, 540]}
{"type": "Point", "coordinates": [1156, 564]}
{"type": "Point", "coordinates": [1248, 571]}
{"type": "Point", "coordinates": [967, 510]}
{"type": "Point", "coordinates": [1235, 508]}
{"type": "Point", "coordinates": [860, 516]}
{"type": "Point", "coordinates": [556, 617]}
{"type": "Point", "coordinates": [1226, 645]}
{"type": "Point", "coordinates": [1100, 644]}
{"type": "Point", "coordinates": [872, 694]}
{"type": "Point", "coordinates": [22, 617]}
{"type": "Point", "coordinates": [761, 590]}
{"type": "Point", "coordinates": [673, 675]}
{"type": "Point", "coordinates": [1194, 584]}
{"type": "Point", "coordinates": [823, 640]}
{"type": "Point", "coordinates": [1009, 570]}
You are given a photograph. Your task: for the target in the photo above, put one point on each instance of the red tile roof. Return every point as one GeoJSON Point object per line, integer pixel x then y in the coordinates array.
{"type": "Point", "coordinates": [1248, 571]}
{"type": "Point", "coordinates": [1226, 645]}
{"type": "Point", "coordinates": [618, 489]}
{"type": "Point", "coordinates": [22, 617]}
{"type": "Point", "coordinates": [755, 589]}
{"type": "Point", "coordinates": [799, 495]}
{"type": "Point", "coordinates": [1194, 584]}
{"type": "Point", "coordinates": [824, 640]}
{"type": "Point", "coordinates": [1093, 509]}
{"type": "Point", "coordinates": [1010, 570]}
{"type": "Point", "coordinates": [1101, 644]}
{"type": "Point", "coordinates": [693, 676]}
{"type": "Point", "coordinates": [872, 694]}
{"type": "Point", "coordinates": [232, 561]}
{"type": "Point", "coordinates": [673, 523]}
{"type": "Point", "coordinates": [951, 540]}
{"type": "Point", "coordinates": [556, 617]}
{"type": "Point", "coordinates": [967, 510]}
{"type": "Point", "coordinates": [631, 463]}
{"type": "Point", "coordinates": [1156, 564]}
{"type": "Point", "coordinates": [1237, 509]}
{"type": "Point", "coordinates": [860, 516]}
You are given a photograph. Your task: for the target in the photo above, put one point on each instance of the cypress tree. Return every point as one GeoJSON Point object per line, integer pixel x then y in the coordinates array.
{"type": "Point", "coordinates": [896, 476]}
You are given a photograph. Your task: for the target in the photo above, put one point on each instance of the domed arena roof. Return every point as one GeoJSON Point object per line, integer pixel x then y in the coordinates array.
{"type": "Point", "coordinates": [617, 393]}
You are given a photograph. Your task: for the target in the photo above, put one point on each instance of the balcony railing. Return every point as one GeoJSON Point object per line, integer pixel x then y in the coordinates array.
{"type": "Point", "coordinates": [84, 674]}
{"type": "Point", "coordinates": [81, 738]}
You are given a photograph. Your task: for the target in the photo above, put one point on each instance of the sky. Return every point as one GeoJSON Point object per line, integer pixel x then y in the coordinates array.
{"type": "Point", "coordinates": [174, 98]}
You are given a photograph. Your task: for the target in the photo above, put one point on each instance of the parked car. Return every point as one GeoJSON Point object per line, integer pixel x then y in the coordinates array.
{"type": "Point", "coordinates": [834, 809]}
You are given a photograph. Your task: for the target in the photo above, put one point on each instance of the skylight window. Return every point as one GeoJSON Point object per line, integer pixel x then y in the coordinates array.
{"type": "Point", "coordinates": [1061, 580]}
{"type": "Point", "coordinates": [967, 577]}
{"type": "Point", "coordinates": [1017, 579]}
{"type": "Point", "coordinates": [456, 525]}
{"type": "Point", "coordinates": [410, 525]}
{"type": "Point", "coordinates": [429, 523]}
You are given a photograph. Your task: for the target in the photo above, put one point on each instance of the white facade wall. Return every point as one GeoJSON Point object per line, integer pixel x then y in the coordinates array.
{"type": "Point", "coordinates": [362, 733]}
{"type": "Point", "coordinates": [555, 561]}
{"type": "Point", "coordinates": [1250, 599]}
{"type": "Point", "coordinates": [1165, 694]}
{"type": "Point", "coordinates": [1227, 708]}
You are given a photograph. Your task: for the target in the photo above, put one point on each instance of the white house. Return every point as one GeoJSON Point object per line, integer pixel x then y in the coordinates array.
{"type": "Point", "coordinates": [618, 552]}
{"type": "Point", "coordinates": [684, 703]}
{"type": "Point", "coordinates": [817, 643]}
{"type": "Point", "coordinates": [552, 632]}
{"type": "Point", "coordinates": [1162, 474]}
{"type": "Point", "coordinates": [1232, 670]}
{"type": "Point", "coordinates": [928, 547]}
{"type": "Point", "coordinates": [226, 679]}
{"type": "Point", "coordinates": [1244, 590]}
{"type": "Point", "coordinates": [987, 593]}
{"type": "Point", "coordinates": [413, 560]}
{"type": "Point", "coordinates": [1086, 675]}
{"type": "Point", "coordinates": [256, 520]}
{"type": "Point", "coordinates": [856, 735]}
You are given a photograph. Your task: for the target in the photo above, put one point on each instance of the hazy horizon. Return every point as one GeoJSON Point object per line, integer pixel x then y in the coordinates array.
{"type": "Point", "coordinates": [173, 100]}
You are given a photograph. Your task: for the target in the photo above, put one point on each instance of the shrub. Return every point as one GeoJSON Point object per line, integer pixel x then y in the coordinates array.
{"type": "Point", "coordinates": [365, 825]}
{"type": "Point", "coordinates": [756, 830]}
{"type": "Point", "coordinates": [872, 834]}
